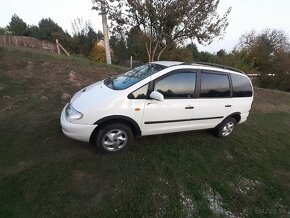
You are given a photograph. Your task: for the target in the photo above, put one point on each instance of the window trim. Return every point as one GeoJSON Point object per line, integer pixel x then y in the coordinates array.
{"type": "Point", "coordinates": [216, 73]}
{"type": "Point", "coordinates": [152, 83]}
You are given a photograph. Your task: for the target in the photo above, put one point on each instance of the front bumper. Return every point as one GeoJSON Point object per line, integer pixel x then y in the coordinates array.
{"type": "Point", "coordinates": [81, 132]}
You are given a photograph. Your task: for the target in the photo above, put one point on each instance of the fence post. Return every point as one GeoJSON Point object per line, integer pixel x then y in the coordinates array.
{"type": "Point", "coordinates": [64, 50]}
{"type": "Point", "coordinates": [57, 46]}
{"type": "Point", "coordinates": [131, 62]}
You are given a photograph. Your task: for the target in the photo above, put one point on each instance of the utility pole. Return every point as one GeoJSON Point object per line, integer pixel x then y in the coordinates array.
{"type": "Point", "coordinates": [105, 31]}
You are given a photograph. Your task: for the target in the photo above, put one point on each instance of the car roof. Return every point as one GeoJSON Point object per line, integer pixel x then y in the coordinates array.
{"type": "Point", "coordinates": [168, 63]}
{"type": "Point", "coordinates": [203, 64]}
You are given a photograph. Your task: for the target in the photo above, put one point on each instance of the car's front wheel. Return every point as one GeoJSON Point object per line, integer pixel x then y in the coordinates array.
{"type": "Point", "coordinates": [226, 127]}
{"type": "Point", "coordinates": [114, 138]}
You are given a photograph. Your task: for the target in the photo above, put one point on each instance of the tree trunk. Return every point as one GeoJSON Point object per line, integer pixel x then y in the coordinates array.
{"type": "Point", "coordinates": [154, 51]}
{"type": "Point", "coordinates": [105, 32]}
{"type": "Point", "coordinates": [160, 53]}
{"type": "Point", "coordinates": [151, 55]}
{"type": "Point", "coordinates": [148, 53]}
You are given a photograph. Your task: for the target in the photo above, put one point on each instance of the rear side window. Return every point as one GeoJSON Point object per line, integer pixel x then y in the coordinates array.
{"type": "Point", "coordinates": [214, 85]}
{"type": "Point", "coordinates": [177, 85]}
{"type": "Point", "coordinates": [241, 86]}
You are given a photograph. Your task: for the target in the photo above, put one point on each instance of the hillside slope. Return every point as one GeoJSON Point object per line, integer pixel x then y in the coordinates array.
{"type": "Point", "coordinates": [45, 174]}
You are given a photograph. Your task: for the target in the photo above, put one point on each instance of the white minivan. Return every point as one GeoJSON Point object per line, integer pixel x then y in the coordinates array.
{"type": "Point", "coordinates": [157, 98]}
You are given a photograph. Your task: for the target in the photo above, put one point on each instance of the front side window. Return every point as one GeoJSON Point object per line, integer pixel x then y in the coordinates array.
{"type": "Point", "coordinates": [133, 76]}
{"type": "Point", "coordinates": [178, 85]}
{"type": "Point", "coordinates": [241, 86]}
{"type": "Point", "coordinates": [214, 85]}
{"type": "Point", "coordinates": [140, 93]}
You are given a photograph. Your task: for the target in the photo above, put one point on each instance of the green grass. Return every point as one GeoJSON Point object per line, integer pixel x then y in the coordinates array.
{"type": "Point", "coordinates": [45, 174]}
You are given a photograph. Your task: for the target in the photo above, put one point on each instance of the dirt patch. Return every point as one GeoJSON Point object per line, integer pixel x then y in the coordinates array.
{"type": "Point", "coordinates": [160, 201]}
{"type": "Point", "coordinates": [13, 102]}
{"type": "Point", "coordinates": [44, 98]}
{"type": "Point", "coordinates": [267, 101]}
{"type": "Point", "coordinates": [29, 65]}
{"type": "Point", "coordinates": [268, 107]}
{"type": "Point", "coordinates": [188, 204]}
{"type": "Point", "coordinates": [229, 156]}
{"type": "Point", "coordinates": [215, 203]}
{"type": "Point", "coordinates": [45, 63]}
{"type": "Point", "coordinates": [61, 76]}
{"type": "Point", "coordinates": [83, 183]}
{"type": "Point", "coordinates": [246, 186]}
{"type": "Point", "coordinates": [159, 196]}
{"type": "Point", "coordinates": [73, 78]}
{"type": "Point", "coordinates": [65, 97]}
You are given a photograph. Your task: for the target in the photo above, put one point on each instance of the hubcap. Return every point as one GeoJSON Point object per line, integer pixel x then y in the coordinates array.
{"type": "Point", "coordinates": [115, 140]}
{"type": "Point", "coordinates": [228, 128]}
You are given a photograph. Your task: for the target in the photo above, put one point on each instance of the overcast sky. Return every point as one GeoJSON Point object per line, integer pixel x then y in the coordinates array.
{"type": "Point", "coordinates": [245, 16]}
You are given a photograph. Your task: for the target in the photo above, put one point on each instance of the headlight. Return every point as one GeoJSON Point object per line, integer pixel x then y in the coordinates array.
{"type": "Point", "coordinates": [72, 113]}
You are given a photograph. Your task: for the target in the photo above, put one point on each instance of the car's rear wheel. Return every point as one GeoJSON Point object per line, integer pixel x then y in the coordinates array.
{"type": "Point", "coordinates": [114, 138]}
{"type": "Point", "coordinates": [226, 127]}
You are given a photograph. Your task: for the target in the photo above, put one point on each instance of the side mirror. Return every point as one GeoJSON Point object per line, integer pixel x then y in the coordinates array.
{"type": "Point", "coordinates": [157, 96]}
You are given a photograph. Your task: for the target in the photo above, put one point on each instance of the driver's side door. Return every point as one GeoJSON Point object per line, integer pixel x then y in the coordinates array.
{"type": "Point", "coordinates": [175, 112]}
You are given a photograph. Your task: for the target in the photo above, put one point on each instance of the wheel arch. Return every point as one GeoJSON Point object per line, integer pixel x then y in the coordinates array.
{"type": "Point", "coordinates": [116, 119]}
{"type": "Point", "coordinates": [236, 116]}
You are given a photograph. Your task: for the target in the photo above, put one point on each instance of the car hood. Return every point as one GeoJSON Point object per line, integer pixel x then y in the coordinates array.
{"type": "Point", "coordinates": [92, 95]}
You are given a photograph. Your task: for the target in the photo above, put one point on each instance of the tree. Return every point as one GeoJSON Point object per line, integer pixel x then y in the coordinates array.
{"type": "Point", "coordinates": [136, 45]}
{"type": "Point", "coordinates": [194, 51]}
{"type": "Point", "coordinates": [163, 22]}
{"type": "Point", "coordinates": [176, 53]}
{"type": "Point", "coordinates": [221, 53]}
{"type": "Point", "coordinates": [120, 50]}
{"type": "Point", "coordinates": [205, 56]}
{"type": "Point", "coordinates": [99, 35]}
{"type": "Point", "coordinates": [4, 31]}
{"type": "Point", "coordinates": [17, 26]}
{"type": "Point", "coordinates": [46, 29]}
{"type": "Point", "coordinates": [33, 31]}
{"type": "Point", "coordinates": [265, 48]}
{"type": "Point", "coordinates": [236, 59]}
{"type": "Point", "coordinates": [270, 53]}
{"type": "Point", "coordinates": [84, 35]}
{"type": "Point", "coordinates": [98, 53]}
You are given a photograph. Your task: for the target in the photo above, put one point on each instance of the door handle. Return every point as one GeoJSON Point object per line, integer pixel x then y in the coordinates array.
{"type": "Point", "coordinates": [189, 107]}
{"type": "Point", "coordinates": [228, 105]}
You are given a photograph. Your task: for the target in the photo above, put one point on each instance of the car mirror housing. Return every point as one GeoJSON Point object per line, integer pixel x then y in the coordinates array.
{"type": "Point", "coordinates": [157, 96]}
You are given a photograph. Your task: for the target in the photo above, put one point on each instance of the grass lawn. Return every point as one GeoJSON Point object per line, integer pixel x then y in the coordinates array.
{"type": "Point", "coordinates": [190, 174]}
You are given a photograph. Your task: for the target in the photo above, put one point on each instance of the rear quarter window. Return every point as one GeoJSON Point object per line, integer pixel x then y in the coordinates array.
{"type": "Point", "coordinates": [241, 86]}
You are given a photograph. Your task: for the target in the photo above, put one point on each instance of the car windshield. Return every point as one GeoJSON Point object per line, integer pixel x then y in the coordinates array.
{"type": "Point", "coordinates": [133, 76]}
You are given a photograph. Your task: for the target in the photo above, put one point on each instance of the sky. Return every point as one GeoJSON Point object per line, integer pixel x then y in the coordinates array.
{"type": "Point", "coordinates": [245, 16]}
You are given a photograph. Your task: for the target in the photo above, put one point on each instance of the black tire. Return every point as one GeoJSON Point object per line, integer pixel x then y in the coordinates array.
{"type": "Point", "coordinates": [114, 138]}
{"type": "Point", "coordinates": [226, 127]}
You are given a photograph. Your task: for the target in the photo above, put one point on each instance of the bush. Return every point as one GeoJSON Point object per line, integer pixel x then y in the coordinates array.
{"type": "Point", "coordinates": [280, 82]}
